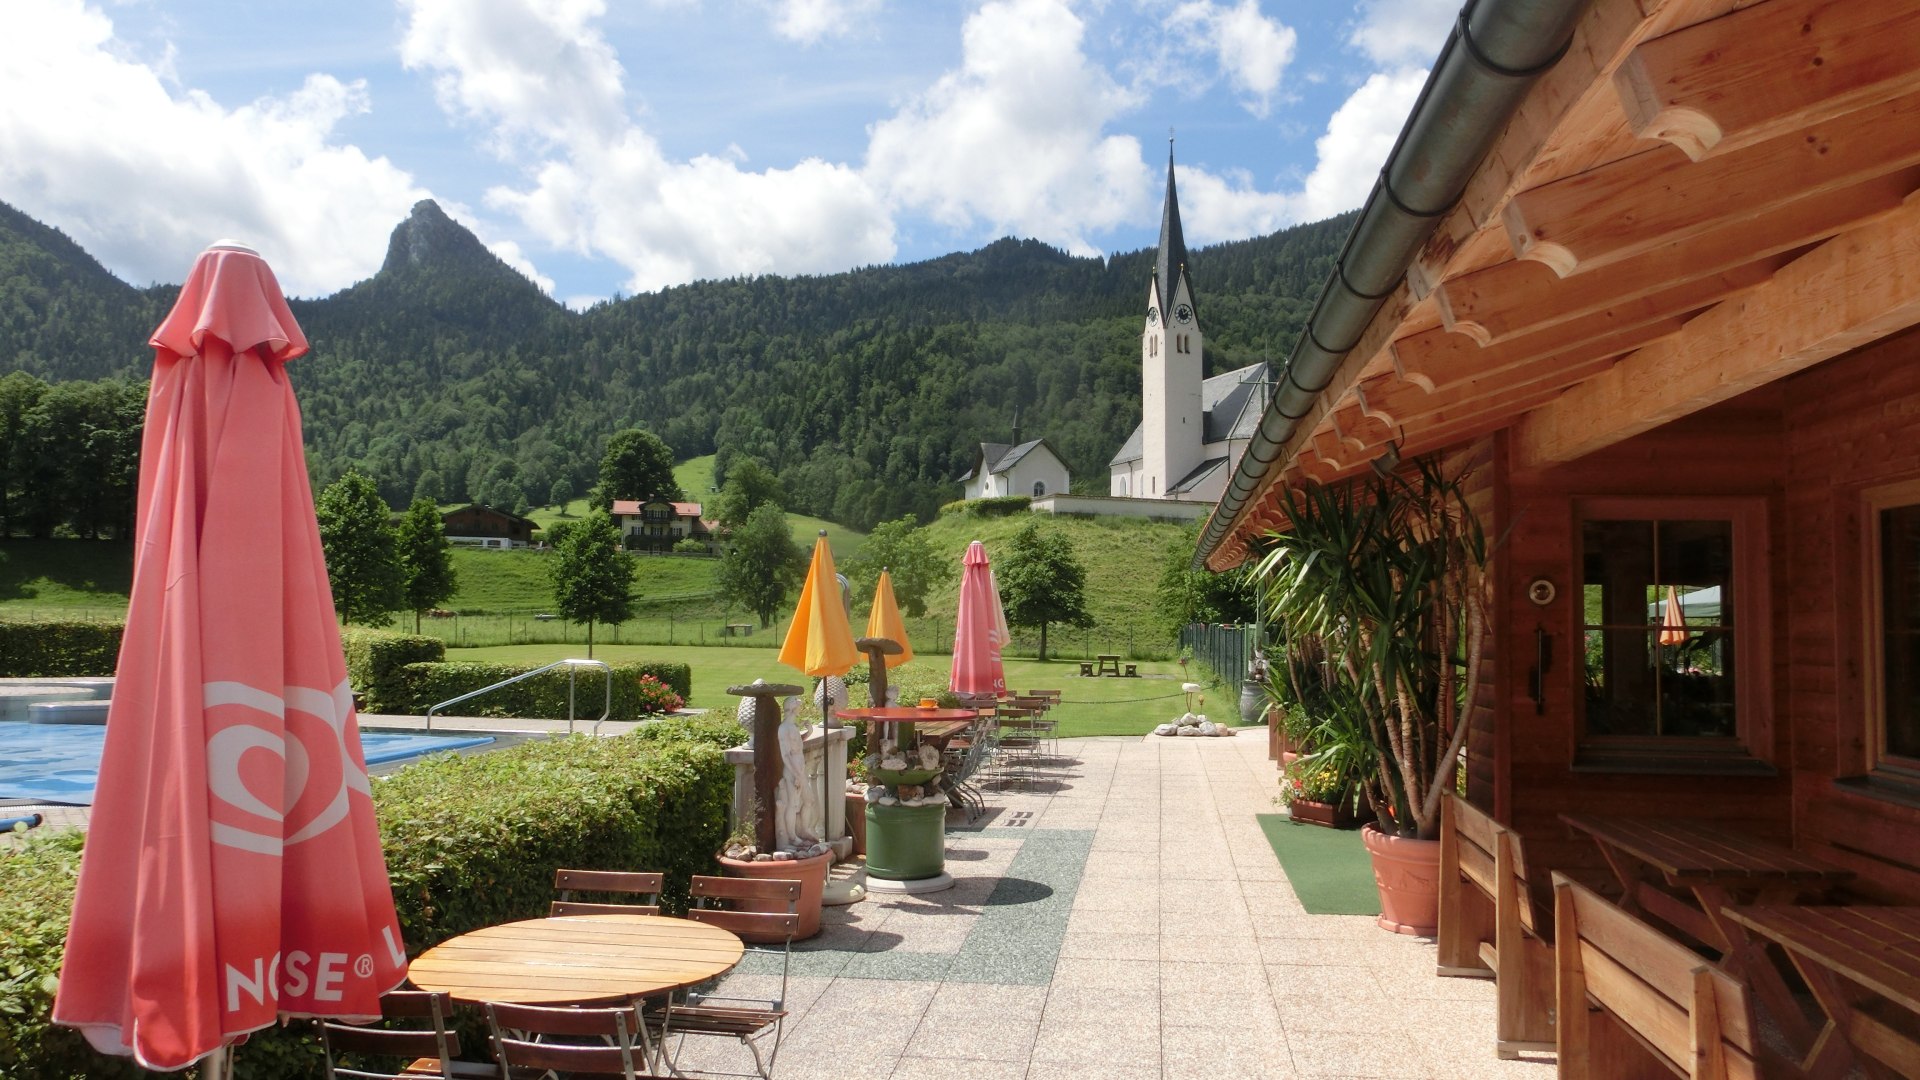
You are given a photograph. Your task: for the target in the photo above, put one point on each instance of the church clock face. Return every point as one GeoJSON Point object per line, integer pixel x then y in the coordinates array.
{"type": "Point", "coordinates": [1183, 314]}
{"type": "Point", "coordinates": [1153, 316]}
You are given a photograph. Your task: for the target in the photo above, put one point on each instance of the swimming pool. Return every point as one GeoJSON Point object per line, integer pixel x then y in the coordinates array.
{"type": "Point", "coordinates": [59, 763]}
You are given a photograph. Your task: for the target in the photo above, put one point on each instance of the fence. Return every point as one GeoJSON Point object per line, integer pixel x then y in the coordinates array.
{"type": "Point", "coordinates": [1225, 650]}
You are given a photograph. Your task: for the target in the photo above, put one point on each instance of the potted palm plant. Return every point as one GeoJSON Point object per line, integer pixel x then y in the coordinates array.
{"type": "Point", "coordinates": [1381, 590]}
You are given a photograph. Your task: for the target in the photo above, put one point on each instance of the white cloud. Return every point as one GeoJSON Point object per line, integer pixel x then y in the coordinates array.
{"type": "Point", "coordinates": [144, 177]}
{"type": "Point", "coordinates": [1253, 50]}
{"type": "Point", "coordinates": [808, 21]}
{"type": "Point", "coordinates": [1397, 33]}
{"type": "Point", "coordinates": [1358, 137]}
{"type": "Point", "coordinates": [510, 253]}
{"type": "Point", "coordinates": [1012, 139]}
{"type": "Point", "coordinates": [550, 89]}
{"type": "Point", "coordinates": [1217, 207]}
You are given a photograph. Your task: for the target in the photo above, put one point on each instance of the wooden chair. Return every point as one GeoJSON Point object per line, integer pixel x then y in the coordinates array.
{"type": "Point", "coordinates": [1635, 1003]}
{"type": "Point", "coordinates": [750, 1021]}
{"type": "Point", "coordinates": [537, 1040]}
{"type": "Point", "coordinates": [1491, 927]}
{"type": "Point", "coordinates": [433, 1049]}
{"type": "Point", "coordinates": [605, 882]}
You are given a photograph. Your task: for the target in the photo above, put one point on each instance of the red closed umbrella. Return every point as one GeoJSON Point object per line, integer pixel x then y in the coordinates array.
{"type": "Point", "coordinates": [982, 630]}
{"type": "Point", "coordinates": [232, 872]}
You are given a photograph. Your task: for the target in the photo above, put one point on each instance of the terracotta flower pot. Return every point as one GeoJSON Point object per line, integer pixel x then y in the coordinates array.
{"type": "Point", "coordinates": [812, 875]}
{"type": "Point", "coordinates": [1407, 873]}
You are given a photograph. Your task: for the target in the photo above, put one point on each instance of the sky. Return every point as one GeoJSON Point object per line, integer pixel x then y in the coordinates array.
{"type": "Point", "coordinates": [610, 147]}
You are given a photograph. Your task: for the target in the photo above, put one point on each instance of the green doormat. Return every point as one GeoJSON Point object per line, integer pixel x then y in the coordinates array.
{"type": "Point", "coordinates": [1329, 870]}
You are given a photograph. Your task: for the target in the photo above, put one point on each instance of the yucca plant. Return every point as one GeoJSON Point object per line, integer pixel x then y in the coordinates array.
{"type": "Point", "coordinates": [1381, 589]}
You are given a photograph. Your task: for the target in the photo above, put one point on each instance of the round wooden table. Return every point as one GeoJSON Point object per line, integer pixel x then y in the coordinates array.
{"type": "Point", "coordinates": [575, 959]}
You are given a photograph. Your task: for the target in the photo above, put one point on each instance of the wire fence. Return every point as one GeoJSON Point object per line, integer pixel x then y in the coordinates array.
{"type": "Point", "coordinates": [1227, 651]}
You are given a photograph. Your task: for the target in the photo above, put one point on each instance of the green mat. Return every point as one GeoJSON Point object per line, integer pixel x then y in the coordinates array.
{"type": "Point", "coordinates": [1328, 868]}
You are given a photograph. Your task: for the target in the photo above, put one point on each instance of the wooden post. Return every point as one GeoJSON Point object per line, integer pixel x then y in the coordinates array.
{"type": "Point", "coordinates": [766, 753]}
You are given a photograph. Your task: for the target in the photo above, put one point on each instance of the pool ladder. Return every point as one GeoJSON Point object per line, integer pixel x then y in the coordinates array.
{"type": "Point", "coordinates": [572, 666]}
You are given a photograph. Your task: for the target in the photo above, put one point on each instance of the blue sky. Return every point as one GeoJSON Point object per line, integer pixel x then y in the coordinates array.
{"type": "Point", "coordinates": [609, 147]}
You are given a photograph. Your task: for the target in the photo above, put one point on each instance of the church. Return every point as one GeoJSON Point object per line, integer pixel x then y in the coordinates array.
{"type": "Point", "coordinates": [1192, 430]}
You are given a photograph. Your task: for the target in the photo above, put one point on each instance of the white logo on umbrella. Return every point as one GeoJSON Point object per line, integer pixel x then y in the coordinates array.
{"type": "Point", "coordinates": [227, 747]}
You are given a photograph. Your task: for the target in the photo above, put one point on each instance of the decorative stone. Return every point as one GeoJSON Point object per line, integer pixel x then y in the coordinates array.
{"type": "Point", "coordinates": [1166, 729]}
{"type": "Point", "coordinates": [1189, 731]}
{"type": "Point", "coordinates": [763, 857]}
{"type": "Point", "coordinates": [782, 856]}
{"type": "Point", "coordinates": [1205, 727]}
{"type": "Point", "coordinates": [929, 756]}
{"type": "Point", "coordinates": [875, 794]}
{"type": "Point", "coordinates": [889, 800]}
{"type": "Point", "coordinates": [1222, 729]}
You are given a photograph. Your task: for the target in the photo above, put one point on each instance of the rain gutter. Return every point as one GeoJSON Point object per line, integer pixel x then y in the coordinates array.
{"type": "Point", "coordinates": [1489, 62]}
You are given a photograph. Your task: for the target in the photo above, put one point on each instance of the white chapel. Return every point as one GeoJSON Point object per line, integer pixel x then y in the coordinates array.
{"type": "Point", "coordinates": [1192, 430]}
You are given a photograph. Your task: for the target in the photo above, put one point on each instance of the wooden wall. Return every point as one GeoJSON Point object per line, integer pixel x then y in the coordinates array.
{"type": "Point", "coordinates": [1852, 424]}
{"type": "Point", "coordinates": [1478, 463]}
{"type": "Point", "coordinates": [1732, 449]}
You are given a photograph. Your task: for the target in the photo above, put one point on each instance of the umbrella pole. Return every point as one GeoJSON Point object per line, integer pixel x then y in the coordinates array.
{"type": "Point", "coordinates": [826, 774]}
{"type": "Point", "coordinates": [217, 1065]}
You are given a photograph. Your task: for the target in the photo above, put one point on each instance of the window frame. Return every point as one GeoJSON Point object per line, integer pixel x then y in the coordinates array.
{"type": "Point", "coordinates": [1751, 748]}
{"type": "Point", "coordinates": [1880, 764]}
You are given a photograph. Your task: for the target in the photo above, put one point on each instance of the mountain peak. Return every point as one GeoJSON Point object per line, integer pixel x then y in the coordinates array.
{"type": "Point", "coordinates": [430, 238]}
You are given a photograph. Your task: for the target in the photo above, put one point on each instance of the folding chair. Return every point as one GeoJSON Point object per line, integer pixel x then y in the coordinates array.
{"type": "Point", "coordinates": [523, 1041]}
{"type": "Point", "coordinates": [1019, 743]}
{"type": "Point", "coordinates": [432, 1049]}
{"type": "Point", "coordinates": [749, 1021]}
{"type": "Point", "coordinates": [605, 883]}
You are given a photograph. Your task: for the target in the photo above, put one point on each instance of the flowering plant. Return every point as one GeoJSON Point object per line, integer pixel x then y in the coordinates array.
{"type": "Point", "coordinates": [656, 697]}
{"type": "Point", "coordinates": [1312, 781]}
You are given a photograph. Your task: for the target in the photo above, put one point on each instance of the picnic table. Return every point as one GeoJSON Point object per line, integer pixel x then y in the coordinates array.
{"type": "Point", "coordinates": [737, 629]}
{"type": "Point", "coordinates": [1107, 663]}
{"type": "Point", "coordinates": [1719, 868]}
{"type": "Point", "coordinates": [1863, 965]}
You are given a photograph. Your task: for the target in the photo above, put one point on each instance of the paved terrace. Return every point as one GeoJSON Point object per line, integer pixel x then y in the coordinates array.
{"type": "Point", "coordinates": [1125, 920]}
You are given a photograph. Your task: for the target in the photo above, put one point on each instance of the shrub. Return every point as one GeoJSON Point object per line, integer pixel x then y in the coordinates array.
{"type": "Point", "coordinates": [376, 663]}
{"type": "Point", "coordinates": [470, 841]}
{"type": "Point", "coordinates": [54, 649]}
{"type": "Point", "coordinates": [653, 697]}
{"type": "Point", "coordinates": [418, 687]}
{"type": "Point", "coordinates": [718, 729]}
{"type": "Point", "coordinates": [1000, 505]}
{"type": "Point", "coordinates": [691, 546]}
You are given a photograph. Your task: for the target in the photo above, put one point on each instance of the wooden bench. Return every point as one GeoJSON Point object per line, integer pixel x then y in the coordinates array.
{"type": "Point", "coordinates": [1086, 669]}
{"type": "Point", "coordinates": [1635, 1003]}
{"type": "Point", "coordinates": [1491, 927]}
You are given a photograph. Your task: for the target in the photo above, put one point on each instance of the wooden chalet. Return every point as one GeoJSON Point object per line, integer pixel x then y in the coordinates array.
{"type": "Point", "coordinates": [479, 525]}
{"type": "Point", "coordinates": [1651, 268]}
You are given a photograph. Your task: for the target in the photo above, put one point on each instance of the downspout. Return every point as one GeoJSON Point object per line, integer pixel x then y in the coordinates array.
{"type": "Point", "coordinates": [1489, 62]}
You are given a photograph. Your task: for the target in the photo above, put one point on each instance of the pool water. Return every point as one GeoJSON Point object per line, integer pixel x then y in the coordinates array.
{"type": "Point", "coordinates": [59, 763]}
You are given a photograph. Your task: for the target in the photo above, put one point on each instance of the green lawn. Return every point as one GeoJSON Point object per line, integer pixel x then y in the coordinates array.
{"type": "Point", "coordinates": [1096, 706]}
{"type": "Point", "coordinates": [65, 579]}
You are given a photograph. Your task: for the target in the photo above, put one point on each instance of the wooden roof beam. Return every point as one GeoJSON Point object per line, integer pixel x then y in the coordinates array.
{"type": "Point", "coordinates": [1616, 211]}
{"type": "Point", "coordinates": [1854, 289]}
{"type": "Point", "coordinates": [1523, 297]}
{"type": "Point", "coordinates": [1437, 359]}
{"type": "Point", "coordinates": [1768, 70]}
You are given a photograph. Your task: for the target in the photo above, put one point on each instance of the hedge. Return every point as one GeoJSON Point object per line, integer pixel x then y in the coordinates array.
{"type": "Point", "coordinates": [58, 649]}
{"type": "Point", "coordinates": [374, 662]}
{"type": "Point", "coordinates": [415, 688]}
{"type": "Point", "coordinates": [471, 841]}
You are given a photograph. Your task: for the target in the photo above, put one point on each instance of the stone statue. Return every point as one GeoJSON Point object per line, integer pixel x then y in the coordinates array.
{"type": "Point", "coordinates": [795, 803]}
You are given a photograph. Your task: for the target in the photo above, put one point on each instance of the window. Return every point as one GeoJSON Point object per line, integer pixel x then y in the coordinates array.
{"type": "Point", "coordinates": [1893, 586]}
{"type": "Point", "coordinates": [654, 513]}
{"type": "Point", "coordinates": [1672, 646]}
{"type": "Point", "coordinates": [1039, 488]}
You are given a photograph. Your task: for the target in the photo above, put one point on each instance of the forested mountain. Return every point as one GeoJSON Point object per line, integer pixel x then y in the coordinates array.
{"type": "Point", "coordinates": [448, 373]}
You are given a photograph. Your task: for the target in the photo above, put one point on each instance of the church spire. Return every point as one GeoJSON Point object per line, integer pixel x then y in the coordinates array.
{"type": "Point", "coordinates": [1173, 246]}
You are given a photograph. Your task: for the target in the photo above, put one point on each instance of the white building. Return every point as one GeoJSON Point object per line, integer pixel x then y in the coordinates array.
{"type": "Point", "coordinates": [1028, 468]}
{"type": "Point", "coordinates": [1192, 430]}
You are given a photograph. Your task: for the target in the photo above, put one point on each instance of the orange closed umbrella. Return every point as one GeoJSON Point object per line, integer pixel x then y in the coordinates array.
{"type": "Point", "coordinates": [820, 642]}
{"type": "Point", "coordinates": [884, 621]}
{"type": "Point", "coordinates": [1673, 622]}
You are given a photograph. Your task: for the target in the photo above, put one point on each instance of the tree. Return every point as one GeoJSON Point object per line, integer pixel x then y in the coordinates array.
{"type": "Point", "coordinates": [762, 563]}
{"type": "Point", "coordinates": [363, 562]}
{"type": "Point", "coordinates": [592, 577]}
{"type": "Point", "coordinates": [1186, 595]}
{"type": "Point", "coordinates": [1041, 582]}
{"type": "Point", "coordinates": [901, 548]}
{"type": "Point", "coordinates": [560, 494]}
{"type": "Point", "coordinates": [426, 559]}
{"type": "Point", "coordinates": [750, 485]}
{"type": "Point", "coordinates": [636, 465]}
{"type": "Point", "coordinates": [429, 486]}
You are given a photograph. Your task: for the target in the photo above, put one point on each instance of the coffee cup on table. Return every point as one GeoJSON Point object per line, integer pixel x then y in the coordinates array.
{"type": "Point", "coordinates": [929, 703]}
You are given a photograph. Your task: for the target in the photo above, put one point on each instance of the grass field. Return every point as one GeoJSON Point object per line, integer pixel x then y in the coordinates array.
{"type": "Point", "coordinates": [1097, 706]}
{"type": "Point", "coordinates": [65, 579]}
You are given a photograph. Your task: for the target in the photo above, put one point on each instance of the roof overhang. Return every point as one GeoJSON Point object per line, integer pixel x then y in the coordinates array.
{"type": "Point", "coordinates": [1692, 202]}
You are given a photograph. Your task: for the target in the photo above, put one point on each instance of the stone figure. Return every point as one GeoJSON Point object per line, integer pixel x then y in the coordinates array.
{"type": "Point", "coordinates": [795, 804]}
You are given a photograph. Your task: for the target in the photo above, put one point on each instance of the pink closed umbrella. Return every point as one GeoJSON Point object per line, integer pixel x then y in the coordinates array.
{"type": "Point", "coordinates": [982, 630]}
{"type": "Point", "coordinates": [233, 872]}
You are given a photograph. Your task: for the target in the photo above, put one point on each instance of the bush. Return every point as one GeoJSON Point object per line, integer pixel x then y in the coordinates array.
{"type": "Point", "coordinates": [58, 649]}
{"type": "Point", "coordinates": [653, 697]}
{"type": "Point", "coordinates": [376, 663]}
{"type": "Point", "coordinates": [706, 729]}
{"type": "Point", "coordinates": [691, 546]}
{"type": "Point", "coordinates": [415, 688]}
{"type": "Point", "coordinates": [470, 840]}
{"type": "Point", "coordinates": [1000, 505]}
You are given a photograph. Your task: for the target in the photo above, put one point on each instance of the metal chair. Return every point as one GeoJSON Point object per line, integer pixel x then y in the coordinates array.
{"type": "Point", "coordinates": [432, 1050]}
{"type": "Point", "coordinates": [605, 883]}
{"type": "Point", "coordinates": [750, 1021]}
{"type": "Point", "coordinates": [1018, 745]}
{"type": "Point", "coordinates": [527, 1041]}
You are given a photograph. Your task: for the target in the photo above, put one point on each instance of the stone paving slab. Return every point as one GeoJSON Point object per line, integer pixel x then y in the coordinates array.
{"type": "Point", "coordinates": [1123, 918]}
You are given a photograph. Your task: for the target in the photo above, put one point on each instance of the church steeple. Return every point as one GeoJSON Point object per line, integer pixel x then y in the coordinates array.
{"type": "Point", "coordinates": [1172, 263]}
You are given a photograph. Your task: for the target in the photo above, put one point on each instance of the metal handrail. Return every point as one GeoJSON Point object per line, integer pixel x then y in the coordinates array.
{"type": "Point", "coordinates": [571, 665]}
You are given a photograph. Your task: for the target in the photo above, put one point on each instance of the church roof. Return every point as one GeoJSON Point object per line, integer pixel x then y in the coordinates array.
{"type": "Point", "coordinates": [1230, 406]}
{"type": "Point", "coordinates": [1198, 476]}
{"type": "Point", "coordinates": [999, 457]}
{"type": "Point", "coordinates": [1173, 245]}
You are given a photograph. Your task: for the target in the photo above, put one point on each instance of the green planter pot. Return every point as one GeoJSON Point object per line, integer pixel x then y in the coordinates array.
{"type": "Point", "coordinates": [906, 843]}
